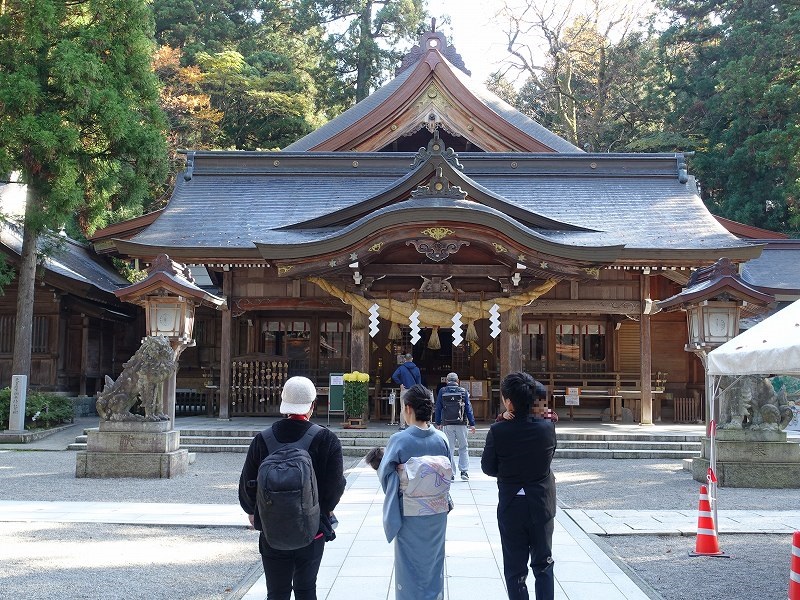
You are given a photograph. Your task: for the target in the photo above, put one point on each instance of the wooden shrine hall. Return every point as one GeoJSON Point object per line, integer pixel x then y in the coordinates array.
{"type": "Point", "coordinates": [433, 195]}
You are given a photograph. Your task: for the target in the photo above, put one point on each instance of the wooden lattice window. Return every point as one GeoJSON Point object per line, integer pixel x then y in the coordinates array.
{"type": "Point", "coordinates": [40, 341]}
{"type": "Point", "coordinates": [7, 324]}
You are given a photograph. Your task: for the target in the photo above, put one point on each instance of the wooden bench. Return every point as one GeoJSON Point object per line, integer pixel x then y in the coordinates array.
{"type": "Point", "coordinates": [604, 396]}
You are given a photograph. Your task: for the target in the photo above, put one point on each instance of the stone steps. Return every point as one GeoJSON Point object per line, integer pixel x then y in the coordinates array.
{"type": "Point", "coordinates": [359, 442]}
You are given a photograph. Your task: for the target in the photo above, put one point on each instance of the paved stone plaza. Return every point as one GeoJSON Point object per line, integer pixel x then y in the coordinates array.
{"type": "Point", "coordinates": [610, 520]}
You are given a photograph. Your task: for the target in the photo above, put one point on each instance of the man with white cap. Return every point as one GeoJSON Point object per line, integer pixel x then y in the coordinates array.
{"type": "Point", "coordinates": [452, 414]}
{"type": "Point", "coordinates": [288, 570]}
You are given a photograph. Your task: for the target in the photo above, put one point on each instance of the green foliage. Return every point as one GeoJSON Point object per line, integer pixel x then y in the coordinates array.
{"type": "Point", "coordinates": [80, 115]}
{"type": "Point", "coordinates": [42, 410]}
{"type": "Point", "coordinates": [7, 274]}
{"type": "Point", "coordinates": [732, 83]}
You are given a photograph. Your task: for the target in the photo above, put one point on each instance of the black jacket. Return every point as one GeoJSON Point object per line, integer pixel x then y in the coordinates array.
{"type": "Point", "coordinates": [326, 456]}
{"type": "Point", "coordinates": [519, 453]}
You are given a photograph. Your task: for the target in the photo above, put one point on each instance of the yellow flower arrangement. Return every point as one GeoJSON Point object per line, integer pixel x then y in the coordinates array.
{"type": "Point", "coordinates": [356, 394]}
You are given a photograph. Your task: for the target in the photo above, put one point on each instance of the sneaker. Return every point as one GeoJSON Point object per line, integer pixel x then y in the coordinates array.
{"type": "Point", "coordinates": [464, 476]}
{"type": "Point", "coordinates": [452, 477]}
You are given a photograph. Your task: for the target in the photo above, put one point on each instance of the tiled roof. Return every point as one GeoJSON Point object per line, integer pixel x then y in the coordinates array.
{"type": "Point", "coordinates": [491, 100]}
{"type": "Point", "coordinates": [68, 258]}
{"type": "Point", "coordinates": [776, 268]}
{"type": "Point", "coordinates": [234, 200]}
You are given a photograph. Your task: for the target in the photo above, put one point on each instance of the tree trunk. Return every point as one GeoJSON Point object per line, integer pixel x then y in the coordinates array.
{"type": "Point", "coordinates": [26, 282]}
{"type": "Point", "coordinates": [364, 59]}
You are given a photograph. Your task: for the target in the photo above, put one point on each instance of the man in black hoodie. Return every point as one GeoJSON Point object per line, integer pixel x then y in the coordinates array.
{"type": "Point", "coordinates": [296, 569]}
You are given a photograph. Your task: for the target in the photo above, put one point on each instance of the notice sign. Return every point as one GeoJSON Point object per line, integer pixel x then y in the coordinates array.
{"type": "Point", "coordinates": [19, 390]}
{"type": "Point", "coordinates": [572, 396]}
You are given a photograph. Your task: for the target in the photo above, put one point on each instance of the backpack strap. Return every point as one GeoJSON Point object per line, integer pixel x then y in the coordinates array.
{"type": "Point", "coordinates": [273, 445]}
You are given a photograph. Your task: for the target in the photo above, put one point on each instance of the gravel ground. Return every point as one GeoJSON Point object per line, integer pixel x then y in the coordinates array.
{"type": "Point", "coordinates": [105, 562]}
{"type": "Point", "coordinates": [39, 561]}
{"type": "Point", "coordinates": [759, 564]}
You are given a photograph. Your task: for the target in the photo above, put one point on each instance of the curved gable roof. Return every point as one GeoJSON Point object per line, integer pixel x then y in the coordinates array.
{"type": "Point", "coordinates": [496, 118]}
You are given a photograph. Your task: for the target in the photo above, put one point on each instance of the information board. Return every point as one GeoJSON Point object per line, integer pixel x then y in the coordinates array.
{"type": "Point", "coordinates": [572, 396]}
{"type": "Point", "coordinates": [336, 393]}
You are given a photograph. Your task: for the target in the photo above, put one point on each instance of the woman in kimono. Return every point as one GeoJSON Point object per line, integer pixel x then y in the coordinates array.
{"type": "Point", "coordinates": [415, 474]}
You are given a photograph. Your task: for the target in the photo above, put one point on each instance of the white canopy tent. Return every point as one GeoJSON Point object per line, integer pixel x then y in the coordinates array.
{"type": "Point", "coordinates": [770, 347]}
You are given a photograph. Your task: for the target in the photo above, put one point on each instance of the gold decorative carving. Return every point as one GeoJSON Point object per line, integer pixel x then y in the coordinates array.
{"type": "Point", "coordinates": [284, 270]}
{"type": "Point", "coordinates": [376, 247]}
{"type": "Point", "coordinates": [592, 271]}
{"type": "Point", "coordinates": [437, 233]}
{"type": "Point", "coordinates": [521, 258]}
{"type": "Point", "coordinates": [499, 248]}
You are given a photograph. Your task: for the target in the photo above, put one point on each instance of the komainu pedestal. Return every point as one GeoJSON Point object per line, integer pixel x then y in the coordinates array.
{"type": "Point", "coordinates": [129, 444]}
{"type": "Point", "coordinates": [752, 459]}
{"type": "Point", "coordinates": [132, 449]}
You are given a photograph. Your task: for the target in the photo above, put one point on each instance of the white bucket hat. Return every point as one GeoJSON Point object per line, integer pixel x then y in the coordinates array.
{"type": "Point", "coordinates": [297, 396]}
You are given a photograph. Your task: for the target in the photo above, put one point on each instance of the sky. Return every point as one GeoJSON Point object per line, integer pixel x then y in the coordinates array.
{"type": "Point", "coordinates": [476, 34]}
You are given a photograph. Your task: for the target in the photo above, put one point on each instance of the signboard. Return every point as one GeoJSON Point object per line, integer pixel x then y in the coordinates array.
{"type": "Point", "coordinates": [572, 396]}
{"type": "Point", "coordinates": [476, 389]}
{"type": "Point", "coordinates": [336, 393]}
{"type": "Point", "coordinates": [19, 390]}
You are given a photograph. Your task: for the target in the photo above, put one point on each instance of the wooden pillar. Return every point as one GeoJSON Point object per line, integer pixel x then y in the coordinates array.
{"type": "Point", "coordinates": [359, 343]}
{"type": "Point", "coordinates": [225, 348]}
{"type": "Point", "coordinates": [510, 341]}
{"type": "Point", "coordinates": [84, 355]}
{"type": "Point", "coordinates": [646, 356]}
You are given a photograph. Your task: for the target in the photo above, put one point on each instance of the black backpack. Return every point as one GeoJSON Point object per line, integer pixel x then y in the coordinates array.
{"type": "Point", "coordinates": [453, 407]}
{"type": "Point", "coordinates": [287, 497]}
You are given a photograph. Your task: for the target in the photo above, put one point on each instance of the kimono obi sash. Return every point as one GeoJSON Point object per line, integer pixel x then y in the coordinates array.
{"type": "Point", "coordinates": [425, 485]}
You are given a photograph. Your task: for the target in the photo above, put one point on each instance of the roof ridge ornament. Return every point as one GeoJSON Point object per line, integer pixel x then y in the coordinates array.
{"type": "Point", "coordinates": [436, 41]}
{"type": "Point", "coordinates": [439, 187]}
{"type": "Point", "coordinates": [436, 148]}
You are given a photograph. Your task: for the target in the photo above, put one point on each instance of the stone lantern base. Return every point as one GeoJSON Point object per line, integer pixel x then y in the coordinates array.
{"type": "Point", "coordinates": [751, 459]}
{"type": "Point", "coordinates": [132, 449]}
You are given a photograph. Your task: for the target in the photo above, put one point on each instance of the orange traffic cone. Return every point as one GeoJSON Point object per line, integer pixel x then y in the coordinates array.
{"type": "Point", "coordinates": [707, 543]}
{"type": "Point", "coordinates": [794, 570]}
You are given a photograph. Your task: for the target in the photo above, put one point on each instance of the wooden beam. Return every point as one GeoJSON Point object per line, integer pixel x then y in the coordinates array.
{"type": "Point", "coordinates": [603, 307]}
{"type": "Point", "coordinates": [437, 270]}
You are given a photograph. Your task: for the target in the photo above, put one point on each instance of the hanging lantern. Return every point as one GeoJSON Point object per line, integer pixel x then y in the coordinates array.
{"type": "Point", "coordinates": [434, 343]}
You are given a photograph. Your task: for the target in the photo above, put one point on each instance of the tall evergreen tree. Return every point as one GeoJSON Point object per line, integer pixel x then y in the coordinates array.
{"type": "Point", "coordinates": [366, 45]}
{"type": "Point", "coordinates": [734, 84]}
{"type": "Point", "coordinates": [79, 118]}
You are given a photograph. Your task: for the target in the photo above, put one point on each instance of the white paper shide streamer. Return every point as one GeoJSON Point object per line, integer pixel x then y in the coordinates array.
{"type": "Point", "coordinates": [414, 320]}
{"type": "Point", "coordinates": [494, 321]}
{"type": "Point", "coordinates": [373, 320]}
{"type": "Point", "coordinates": [458, 336]}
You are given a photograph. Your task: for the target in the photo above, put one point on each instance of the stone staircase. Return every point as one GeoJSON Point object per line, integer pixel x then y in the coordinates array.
{"type": "Point", "coordinates": [357, 442]}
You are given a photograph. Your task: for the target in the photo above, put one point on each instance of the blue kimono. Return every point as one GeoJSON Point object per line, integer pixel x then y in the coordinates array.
{"type": "Point", "coordinates": [419, 540]}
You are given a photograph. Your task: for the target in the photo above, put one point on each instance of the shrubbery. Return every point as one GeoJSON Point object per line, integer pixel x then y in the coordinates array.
{"type": "Point", "coordinates": [42, 410]}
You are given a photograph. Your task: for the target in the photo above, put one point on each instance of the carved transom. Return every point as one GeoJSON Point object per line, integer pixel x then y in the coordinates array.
{"type": "Point", "coordinates": [436, 284]}
{"type": "Point", "coordinates": [438, 250]}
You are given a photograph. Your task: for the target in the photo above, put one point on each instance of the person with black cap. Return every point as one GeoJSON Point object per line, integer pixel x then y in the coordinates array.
{"type": "Point", "coordinates": [406, 375]}
{"type": "Point", "coordinates": [288, 570]}
{"type": "Point", "coordinates": [519, 452]}
{"type": "Point", "coordinates": [453, 413]}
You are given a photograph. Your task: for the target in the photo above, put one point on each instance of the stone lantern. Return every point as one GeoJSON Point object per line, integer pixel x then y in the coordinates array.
{"type": "Point", "coordinates": [128, 444]}
{"type": "Point", "coordinates": [713, 300]}
{"type": "Point", "coordinates": [169, 297]}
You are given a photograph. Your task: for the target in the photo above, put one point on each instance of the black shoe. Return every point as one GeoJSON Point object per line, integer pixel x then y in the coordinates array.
{"type": "Point", "coordinates": [464, 476]}
{"type": "Point", "coordinates": [402, 428]}
{"type": "Point", "coordinates": [452, 477]}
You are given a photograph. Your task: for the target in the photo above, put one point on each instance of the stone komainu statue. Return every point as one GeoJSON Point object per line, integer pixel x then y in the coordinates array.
{"type": "Point", "coordinates": [141, 378]}
{"type": "Point", "coordinates": [750, 402]}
